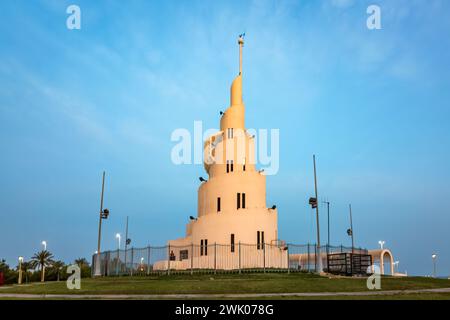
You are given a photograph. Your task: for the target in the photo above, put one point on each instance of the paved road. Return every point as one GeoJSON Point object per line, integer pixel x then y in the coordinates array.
{"type": "Point", "coordinates": [209, 296]}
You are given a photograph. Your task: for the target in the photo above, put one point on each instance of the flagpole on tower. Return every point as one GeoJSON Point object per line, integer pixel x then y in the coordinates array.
{"type": "Point", "coordinates": [241, 44]}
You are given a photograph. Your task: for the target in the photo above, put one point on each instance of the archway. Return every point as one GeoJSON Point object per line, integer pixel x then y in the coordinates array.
{"type": "Point", "coordinates": [385, 259]}
{"type": "Point", "coordinates": [387, 262]}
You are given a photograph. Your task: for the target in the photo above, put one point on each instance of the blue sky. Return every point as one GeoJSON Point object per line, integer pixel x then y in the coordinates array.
{"type": "Point", "coordinates": [372, 105]}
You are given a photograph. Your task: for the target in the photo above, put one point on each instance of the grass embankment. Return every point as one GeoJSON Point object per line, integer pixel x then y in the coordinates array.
{"type": "Point", "coordinates": [232, 284]}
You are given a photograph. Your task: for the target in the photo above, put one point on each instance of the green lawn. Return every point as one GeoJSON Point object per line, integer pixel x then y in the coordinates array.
{"type": "Point", "coordinates": [233, 283]}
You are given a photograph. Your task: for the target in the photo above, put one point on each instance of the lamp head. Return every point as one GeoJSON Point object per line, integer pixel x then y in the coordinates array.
{"type": "Point", "coordinates": [105, 213]}
{"type": "Point", "coordinates": [313, 202]}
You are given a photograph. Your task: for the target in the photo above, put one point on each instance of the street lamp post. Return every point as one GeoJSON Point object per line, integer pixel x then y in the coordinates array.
{"type": "Point", "coordinates": [20, 270]}
{"type": "Point", "coordinates": [44, 243]}
{"type": "Point", "coordinates": [319, 256]}
{"type": "Point", "coordinates": [434, 257]}
{"type": "Point", "coordinates": [104, 213]}
{"type": "Point", "coordinates": [381, 243]}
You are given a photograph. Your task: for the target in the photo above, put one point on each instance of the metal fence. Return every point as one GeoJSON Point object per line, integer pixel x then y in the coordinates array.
{"type": "Point", "coordinates": [215, 258]}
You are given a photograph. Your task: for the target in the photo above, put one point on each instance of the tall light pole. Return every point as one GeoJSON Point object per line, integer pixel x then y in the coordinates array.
{"type": "Point", "coordinates": [381, 243]}
{"type": "Point", "coordinates": [104, 213]}
{"type": "Point", "coordinates": [44, 243]}
{"type": "Point", "coordinates": [20, 270]}
{"type": "Point", "coordinates": [434, 257]}
{"type": "Point", "coordinates": [319, 259]}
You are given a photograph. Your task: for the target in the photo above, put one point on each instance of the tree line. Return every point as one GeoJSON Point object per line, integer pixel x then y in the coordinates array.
{"type": "Point", "coordinates": [42, 266]}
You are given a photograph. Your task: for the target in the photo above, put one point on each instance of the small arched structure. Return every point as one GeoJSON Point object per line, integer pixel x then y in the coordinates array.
{"type": "Point", "coordinates": [379, 256]}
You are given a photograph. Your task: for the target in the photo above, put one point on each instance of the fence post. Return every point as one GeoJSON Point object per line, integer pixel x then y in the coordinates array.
{"type": "Point", "coordinates": [315, 257]}
{"type": "Point", "coordinates": [93, 265]}
{"type": "Point", "coordinates": [351, 262]}
{"type": "Point", "coordinates": [117, 263]}
{"type": "Point", "coordinates": [328, 261]}
{"type": "Point", "coordinates": [132, 259]}
{"type": "Point", "coordinates": [168, 260]}
{"type": "Point", "coordinates": [108, 270]}
{"type": "Point", "coordinates": [102, 269]}
{"type": "Point", "coordinates": [125, 260]}
{"type": "Point", "coordinates": [288, 265]}
{"type": "Point", "coordinates": [264, 257]}
{"type": "Point", "coordinates": [308, 257]}
{"type": "Point", "coordinates": [107, 264]}
{"type": "Point", "coordinates": [215, 257]}
{"type": "Point", "coordinates": [192, 258]}
{"type": "Point", "coordinates": [148, 260]}
{"type": "Point", "coordinates": [239, 257]}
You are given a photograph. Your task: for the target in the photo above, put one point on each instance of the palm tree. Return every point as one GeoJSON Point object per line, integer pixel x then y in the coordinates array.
{"type": "Point", "coordinates": [3, 266]}
{"type": "Point", "coordinates": [81, 262]}
{"type": "Point", "coordinates": [84, 267]}
{"type": "Point", "coordinates": [25, 267]}
{"type": "Point", "coordinates": [57, 267]}
{"type": "Point", "coordinates": [42, 259]}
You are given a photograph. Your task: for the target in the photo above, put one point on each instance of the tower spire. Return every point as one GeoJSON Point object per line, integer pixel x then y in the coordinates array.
{"type": "Point", "coordinates": [241, 44]}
